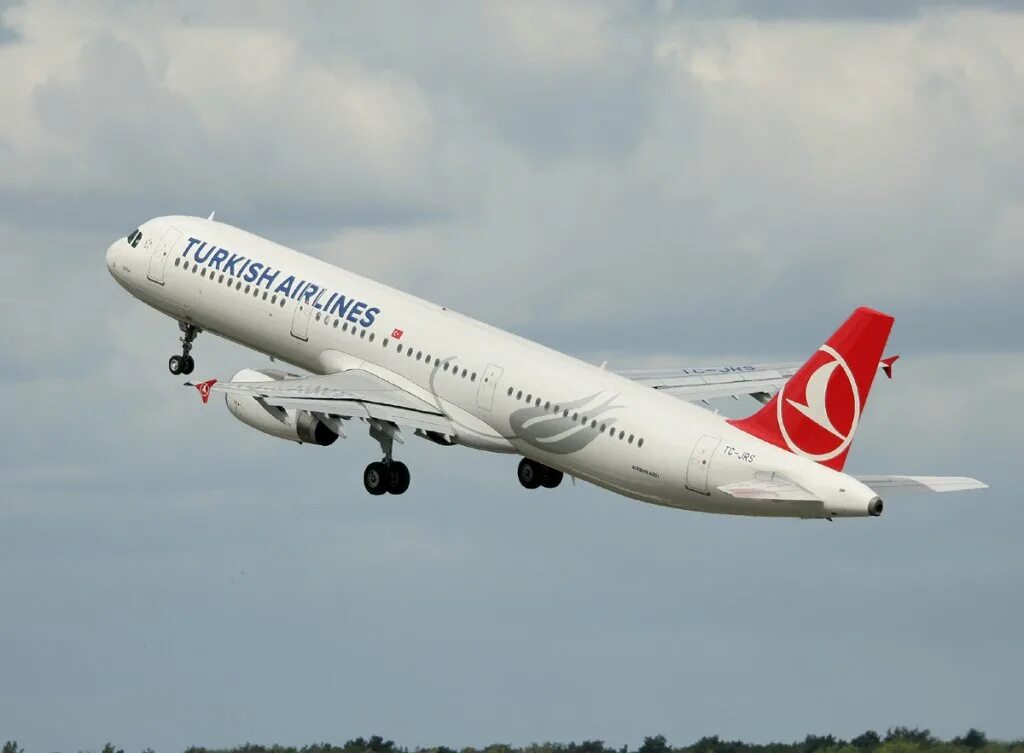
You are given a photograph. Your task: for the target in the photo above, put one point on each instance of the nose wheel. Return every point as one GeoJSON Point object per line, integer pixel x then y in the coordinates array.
{"type": "Point", "coordinates": [184, 364]}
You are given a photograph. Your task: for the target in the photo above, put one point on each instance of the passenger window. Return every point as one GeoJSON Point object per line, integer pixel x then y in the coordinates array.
{"type": "Point", "coordinates": [593, 424]}
{"type": "Point", "coordinates": [630, 440]}
{"type": "Point", "coordinates": [519, 395]}
{"type": "Point", "coordinates": [186, 266]}
{"type": "Point", "coordinates": [472, 377]}
{"type": "Point", "coordinates": [640, 443]}
{"type": "Point", "coordinates": [264, 295]}
{"type": "Point", "coordinates": [622, 434]}
{"type": "Point", "coordinates": [463, 373]}
{"type": "Point", "coordinates": [246, 289]}
{"type": "Point", "coordinates": [372, 336]}
{"type": "Point", "coordinates": [318, 317]}
{"type": "Point", "coordinates": [273, 299]}
{"type": "Point", "coordinates": [419, 355]}
{"type": "Point", "coordinates": [427, 359]}
{"type": "Point", "coordinates": [362, 333]}
{"type": "Point", "coordinates": [177, 262]}
{"type": "Point", "coordinates": [399, 347]}
{"type": "Point", "coordinates": [384, 343]}
{"type": "Point", "coordinates": [335, 323]}
{"type": "Point", "coordinates": [537, 402]}
{"type": "Point", "coordinates": [510, 392]}
{"type": "Point", "coordinates": [529, 398]}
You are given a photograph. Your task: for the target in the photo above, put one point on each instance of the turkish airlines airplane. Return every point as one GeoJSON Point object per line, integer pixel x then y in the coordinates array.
{"type": "Point", "coordinates": [403, 366]}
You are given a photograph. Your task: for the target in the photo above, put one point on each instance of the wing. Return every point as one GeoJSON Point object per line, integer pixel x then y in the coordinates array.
{"type": "Point", "coordinates": [694, 384]}
{"type": "Point", "coordinates": [347, 394]}
{"type": "Point", "coordinates": [916, 484]}
{"type": "Point", "coordinates": [709, 382]}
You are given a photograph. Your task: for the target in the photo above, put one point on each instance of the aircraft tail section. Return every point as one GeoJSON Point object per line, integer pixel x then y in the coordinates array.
{"type": "Point", "coordinates": [817, 411]}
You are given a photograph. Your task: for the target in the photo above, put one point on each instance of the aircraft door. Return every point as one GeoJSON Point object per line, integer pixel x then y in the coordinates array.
{"type": "Point", "coordinates": [158, 261]}
{"type": "Point", "coordinates": [488, 383]}
{"type": "Point", "coordinates": [300, 320]}
{"type": "Point", "coordinates": [700, 463]}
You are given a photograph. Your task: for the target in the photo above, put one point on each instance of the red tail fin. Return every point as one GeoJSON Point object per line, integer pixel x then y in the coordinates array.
{"type": "Point", "coordinates": [817, 411]}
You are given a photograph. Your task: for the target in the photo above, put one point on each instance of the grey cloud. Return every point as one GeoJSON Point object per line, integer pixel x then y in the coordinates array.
{"type": "Point", "coordinates": [848, 10]}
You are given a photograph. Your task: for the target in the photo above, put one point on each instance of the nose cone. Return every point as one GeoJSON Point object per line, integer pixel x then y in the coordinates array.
{"type": "Point", "coordinates": [112, 253]}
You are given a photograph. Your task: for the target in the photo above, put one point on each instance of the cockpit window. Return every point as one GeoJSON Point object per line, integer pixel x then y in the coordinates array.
{"type": "Point", "coordinates": [134, 238]}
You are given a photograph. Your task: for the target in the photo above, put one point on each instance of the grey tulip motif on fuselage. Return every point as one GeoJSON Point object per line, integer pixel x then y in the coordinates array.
{"type": "Point", "coordinates": [558, 432]}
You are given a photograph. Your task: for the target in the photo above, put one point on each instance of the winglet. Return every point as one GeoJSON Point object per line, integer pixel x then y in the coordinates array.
{"type": "Point", "coordinates": [887, 365]}
{"type": "Point", "coordinates": [204, 389]}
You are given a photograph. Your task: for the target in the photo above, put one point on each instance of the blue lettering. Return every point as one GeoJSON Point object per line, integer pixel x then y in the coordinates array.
{"type": "Point", "coordinates": [232, 263]}
{"type": "Point", "coordinates": [340, 307]}
{"type": "Point", "coordinates": [253, 272]}
{"type": "Point", "coordinates": [327, 306]}
{"type": "Point", "coordinates": [191, 243]}
{"type": "Point", "coordinates": [200, 257]}
{"type": "Point", "coordinates": [298, 289]}
{"type": "Point", "coordinates": [370, 315]}
{"type": "Point", "coordinates": [285, 288]}
{"type": "Point", "coordinates": [268, 278]}
{"type": "Point", "coordinates": [242, 270]}
{"type": "Point", "coordinates": [316, 301]}
{"type": "Point", "coordinates": [309, 292]}
{"type": "Point", "coordinates": [353, 315]}
{"type": "Point", "coordinates": [221, 255]}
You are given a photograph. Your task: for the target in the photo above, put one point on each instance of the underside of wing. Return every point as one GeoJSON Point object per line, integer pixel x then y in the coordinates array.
{"type": "Point", "coordinates": [348, 394]}
{"type": "Point", "coordinates": [918, 484]}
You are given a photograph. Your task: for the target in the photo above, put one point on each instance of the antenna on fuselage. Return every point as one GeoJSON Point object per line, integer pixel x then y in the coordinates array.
{"type": "Point", "coordinates": [210, 218]}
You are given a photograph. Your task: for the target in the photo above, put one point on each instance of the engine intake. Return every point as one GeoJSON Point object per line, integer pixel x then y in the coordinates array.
{"type": "Point", "coordinates": [294, 425]}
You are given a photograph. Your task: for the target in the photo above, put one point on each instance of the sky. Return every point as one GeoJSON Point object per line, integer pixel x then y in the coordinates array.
{"type": "Point", "coordinates": [640, 182]}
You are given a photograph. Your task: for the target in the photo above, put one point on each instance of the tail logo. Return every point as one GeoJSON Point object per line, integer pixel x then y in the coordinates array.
{"type": "Point", "coordinates": [822, 425]}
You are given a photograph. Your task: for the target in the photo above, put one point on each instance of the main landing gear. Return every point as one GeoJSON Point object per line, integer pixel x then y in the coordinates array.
{"type": "Point", "coordinates": [532, 474]}
{"type": "Point", "coordinates": [387, 476]}
{"type": "Point", "coordinates": [184, 364]}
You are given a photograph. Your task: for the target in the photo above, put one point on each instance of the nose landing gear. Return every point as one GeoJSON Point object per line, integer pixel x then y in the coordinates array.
{"type": "Point", "coordinates": [184, 364]}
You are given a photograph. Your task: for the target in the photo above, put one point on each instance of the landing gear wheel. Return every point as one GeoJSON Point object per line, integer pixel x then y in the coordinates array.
{"type": "Point", "coordinates": [376, 478]}
{"type": "Point", "coordinates": [551, 478]}
{"type": "Point", "coordinates": [530, 473]}
{"type": "Point", "coordinates": [398, 478]}
{"type": "Point", "coordinates": [190, 365]}
{"type": "Point", "coordinates": [177, 365]}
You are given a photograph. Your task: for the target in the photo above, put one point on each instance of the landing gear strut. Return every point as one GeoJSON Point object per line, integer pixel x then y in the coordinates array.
{"type": "Point", "coordinates": [387, 476]}
{"type": "Point", "coordinates": [184, 364]}
{"type": "Point", "coordinates": [533, 474]}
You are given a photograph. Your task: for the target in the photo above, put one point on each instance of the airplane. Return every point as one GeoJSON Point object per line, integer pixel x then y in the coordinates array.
{"type": "Point", "coordinates": [403, 366]}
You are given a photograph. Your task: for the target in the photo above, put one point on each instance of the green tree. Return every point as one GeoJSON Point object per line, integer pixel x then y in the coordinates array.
{"type": "Point", "coordinates": [656, 744]}
{"type": "Point", "coordinates": [11, 746]}
{"type": "Point", "coordinates": [974, 739]}
{"type": "Point", "coordinates": [869, 739]}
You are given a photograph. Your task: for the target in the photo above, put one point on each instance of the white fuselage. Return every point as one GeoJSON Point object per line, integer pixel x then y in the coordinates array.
{"type": "Point", "coordinates": [502, 390]}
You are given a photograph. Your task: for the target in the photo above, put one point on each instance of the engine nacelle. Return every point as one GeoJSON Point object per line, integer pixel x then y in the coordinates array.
{"type": "Point", "coordinates": [294, 425]}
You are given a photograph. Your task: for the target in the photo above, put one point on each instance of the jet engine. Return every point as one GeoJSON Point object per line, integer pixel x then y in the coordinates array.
{"type": "Point", "coordinates": [293, 425]}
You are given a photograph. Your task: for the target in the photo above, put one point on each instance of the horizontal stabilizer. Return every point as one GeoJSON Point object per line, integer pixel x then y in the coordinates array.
{"type": "Point", "coordinates": [769, 486]}
{"type": "Point", "coordinates": [913, 484]}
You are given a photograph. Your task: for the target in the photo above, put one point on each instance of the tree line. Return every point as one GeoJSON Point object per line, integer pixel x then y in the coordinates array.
{"type": "Point", "coordinates": [895, 740]}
